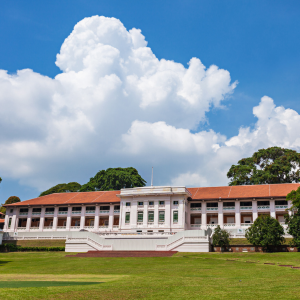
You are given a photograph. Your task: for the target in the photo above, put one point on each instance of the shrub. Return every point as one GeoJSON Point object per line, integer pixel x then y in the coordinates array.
{"type": "Point", "coordinates": [221, 237]}
{"type": "Point", "coordinates": [15, 248]}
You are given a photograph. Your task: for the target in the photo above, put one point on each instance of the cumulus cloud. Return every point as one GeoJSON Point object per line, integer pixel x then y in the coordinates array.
{"type": "Point", "coordinates": [116, 104]}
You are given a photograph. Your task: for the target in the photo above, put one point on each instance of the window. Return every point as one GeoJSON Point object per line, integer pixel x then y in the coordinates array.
{"type": "Point", "coordinates": [150, 231]}
{"type": "Point", "coordinates": [140, 217]}
{"type": "Point", "coordinates": [11, 210]}
{"type": "Point", "coordinates": [9, 222]}
{"type": "Point", "coordinates": [212, 204]}
{"type": "Point", "coordinates": [281, 202]}
{"type": "Point", "coordinates": [140, 203]}
{"type": "Point", "coordinates": [246, 203]}
{"type": "Point", "coordinates": [23, 210]}
{"type": "Point", "coordinates": [151, 216]}
{"type": "Point", "coordinates": [175, 216]}
{"type": "Point", "coordinates": [139, 231]}
{"type": "Point", "coordinates": [194, 205]}
{"type": "Point", "coordinates": [262, 203]}
{"type": "Point", "coordinates": [161, 217]}
{"type": "Point", "coordinates": [50, 209]}
{"type": "Point", "coordinates": [151, 203]}
{"type": "Point", "coordinates": [89, 208]}
{"type": "Point", "coordinates": [36, 210]}
{"type": "Point", "coordinates": [161, 202]}
{"type": "Point", "coordinates": [127, 217]}
{"type": "Point", "coordinates": [226, 204]}
{"type": "Point", "coordinates": [175, 202]}
{"type": "Point", "coordinates": [161, 231]}
{"type": "Point", "coordinates": [117, 207]}
{"type": "Point", "coordinates": [127, 203]}
{"type": "Point", "coordinates": [104, 208]}
{"type": "Point", "coordinates": [76, 208]}
{"type": "Point", "coordinates": [63, 209]}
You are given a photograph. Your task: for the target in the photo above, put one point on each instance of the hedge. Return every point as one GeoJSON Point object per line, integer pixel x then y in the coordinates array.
{"type": "Point", "coordinates": [15, 248]}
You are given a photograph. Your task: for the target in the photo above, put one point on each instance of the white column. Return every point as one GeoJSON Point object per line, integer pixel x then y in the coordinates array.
{"type": "Point", "coordinates": [290, 204]}
{"type": "Point", "coordinates": [82, 217]}
{"type": "Point", "coordinates": [156, 214]}
{"type": "Point", "coordinates": [28, 224]}
{"type": "Point", "coordinates": [254, 210]}
{"type": "Point", "coordinates": [111, 217]}
{"type": "Point", "coordinates": [272, 209]}
{"type": "Point", "coordinates": [220, 214]}
{"type": "Point", "coordinates": [14, 221]}
{"type": "Point", "coordinates": [55, 218]}
{"type": "Point", "coordinates": [167, 214]}
{"type": "Point", "coordinates": [203, 216]}
{"type": "Point", "coordinates": [42, 219]}
{"type": "Point", "coordinates": [69, 216]}
{"type": "Point", "coordinates": [6, 222]}
{"type": "Point", "coordinates": [145, 215]}
{"type": "Point", "coordinates": [237, 214]}
{"type": "Point", "coordinates": [133, 214]}
{"type": "Point", "coordinates": [96, 220]}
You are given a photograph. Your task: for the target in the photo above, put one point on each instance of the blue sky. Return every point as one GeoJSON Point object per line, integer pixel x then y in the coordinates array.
{"type": "Point", "coordinates": [256, 41]}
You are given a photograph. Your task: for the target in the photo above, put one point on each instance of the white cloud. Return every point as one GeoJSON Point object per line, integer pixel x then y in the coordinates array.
{"type": "Point", "coordinates": [116, 104]}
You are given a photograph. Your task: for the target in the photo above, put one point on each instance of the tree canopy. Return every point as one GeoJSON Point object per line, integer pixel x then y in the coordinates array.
{"type": "Point", "coordinates": [114, 179]}
{"type": "Point", "coordinates": [265, 231]}
{"type": "Point", "coordinates": [220, 237]}
{"type": "Point", "coordinates": [266, 166]}
{"type": "Point", "coordinates": [63, 188]}
{"type": "Point", "coordinates": [10, 200]}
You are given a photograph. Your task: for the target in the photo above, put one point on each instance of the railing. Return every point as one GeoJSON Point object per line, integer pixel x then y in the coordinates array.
{"type": "Point", "coordinates": [161, 205]}
{"type": "Point", "coordinates": [212, 225]}
{"type": "Point", "coordinates": [195, 225]}
{"type": "Point", "coordinates": [49, 213]}
{"type": "Point", "coordinates": [76, 212]}
{"type": "Point", "coordinates": [104, 211]}
{"type": "Point", "coordinates": [115, 226]}
{"type": "Point", "coordinates": [228, 207]}
{"type": "Point", "coordinates": [34, 227]}
{"type": "Point", "coordinates": [36, 213]}
{"type": "Point", "coordinates": [196, 209]}
{"type": "Point", "coordinates": [61, 227]}
{"type": "Point", "coordinates": [281, 206]}
{"type": "Point", "coordinates": [75, 227]}
{"type": "Point", "coordinates": [246, 224]}
{"type": "Point", "coordinates": [103, 226]}
{"type": "Point", "coordinates": [90, 211]}
{"type": "Point", "coordinates": [150, 223]}
{"type": "Point", "coordinates": [23, 213]}
{"type": "Point", "coordinates": [161, 222]}
{"type": "Point", "coordinates": [139, 223]}
{"type": "Point", "coordinates": [175, 222]}
{"type": "Point", "coordinates": [263, 207]}
{"type": "Point", "coordinates": [48, 227]}
{"type": "Point", "coordinates": [89, 227]}
{"type": "Point", "coordinates": [150, 206]}
{"type": "Point", "coordinates": [212, 208]}
{"type": "Point", "coordinates": [246, 207]}
{"type": "Point", "coordinates": [62, 212]}
{"type": "Point", "coordinates": [21, 228]}
{"type": "Point", "coordinates": [229, 224]}
{"type": "Point", "coordinates": [116, 211]}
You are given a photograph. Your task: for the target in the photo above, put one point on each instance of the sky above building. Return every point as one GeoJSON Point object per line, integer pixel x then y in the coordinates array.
{"type": "Point", "coordinates": [188, 87]}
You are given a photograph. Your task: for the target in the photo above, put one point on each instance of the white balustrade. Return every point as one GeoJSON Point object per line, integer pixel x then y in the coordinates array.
{"type": "Point", "coordinates": [229, 225]}
{"type": "Point", "coordinates": [281, 206]}
{"type": "Point", "coordinates": [263, 207]}
{"type": "Point", "coordinates": [212, 225]}
{"type": "Point", "coordinates": [115, 226]}
{"type": "Point", "coordinates": [161, 206]}
{"type": "Point", "coordinates": [195, 209]}
{"type": "Point", "coordinates": [89, 227]}
{"type": "Point", "coordinates": [195, 225]}
{"type": "Point", "coordinates": [104, 211]}
{"type": "Point", "coordinates": [116, 211]}
{"type": "Point", "coordinates": [89, 211]}
{"type": "Point", "coordinates": [139, 223]}
{"type": "Point", "coordinates": [23, 213]}
{"type": "Point", "coordinates": [228, 207]}
{"type": "Point", "coordinates": [36, 213]}
{"type": "Point", "coordinates": [49, 213]}
{"type": "Point", "coordinates": [76, 212]}
{"type": "Point", "coordinates": [48, 227]}
{"type": "Point", "coordinates": [62, 212]}
{"type": "Point", "coordinates": [34, 228]}
{"type": "Point", "coordinates": [246, 224]}
{"type": "Point", "coordinates": [75, 227]}
{"type": "Point", "coordinates": [246, 207]}
{"type": "Point", "coordinates": [21, 228]}
{"type": "Point", "coordinates": [211, 208]}
{"type": "Point", "coordinates": [103, 226]}
{"type": "Point", "coordinates": [150, 223]}
{"type": "Point", "coordinates": [61, 227]}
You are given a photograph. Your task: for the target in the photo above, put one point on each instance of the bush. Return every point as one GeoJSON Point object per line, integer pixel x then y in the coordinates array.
{"type": "Point", "coordinates": [15, 248]}
{"type": "Point", "coordinates": [221, 237]}
{"type": "Point", "coordinates": [265, 232]}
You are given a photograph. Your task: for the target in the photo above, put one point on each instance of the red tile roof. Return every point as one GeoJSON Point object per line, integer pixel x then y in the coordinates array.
{"type": "Point", "coordinates": [203, 193]}
{"type": "Point", "coordinates": [72, 198]}
{"type": "Point", "coordinates": [2, 221]}
{"type": "Point", "coordinates": [243, 191]}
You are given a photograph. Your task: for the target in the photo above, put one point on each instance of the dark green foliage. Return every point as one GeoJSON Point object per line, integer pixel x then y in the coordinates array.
{"type": "Point", "coordinates": [266, 166]}
{"type": "Point", "coordinates": [114, 179]}
{"type": "Point", "coordinates": [265, 231]}
{"type": "Point", "coordinates": [63, 188]}
{"type": "Point", "coordinates": [221, 237]}
{"type": "Point", "coordinates": [15, 248]}
{"type": "Point", "coordinates": [293, 221]}
{"type": "Point", "coordinates": [10, 200]}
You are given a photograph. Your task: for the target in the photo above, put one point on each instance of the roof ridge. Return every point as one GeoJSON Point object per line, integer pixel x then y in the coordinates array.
{"type": "Point", "coordinates": [99, 195]}
{"type": "Point", "coordinates": [229, 192]}
{"type": "Point", "coordinates": [72, 197]}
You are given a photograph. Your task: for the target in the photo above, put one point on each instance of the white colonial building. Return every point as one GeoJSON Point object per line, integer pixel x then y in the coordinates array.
{"type": "Point", "coordinates": [146, 211]}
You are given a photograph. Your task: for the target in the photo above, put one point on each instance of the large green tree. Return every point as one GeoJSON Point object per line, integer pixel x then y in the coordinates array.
{"type": "Point", "coordinates": [293, 220]}
{"type": "Point", "coordinates": [10, 200]}
{"type": "Point", "coordinates": [266, 166]}
{"type": "Point", "coordinates": [114, 179]}
{"type": "Point", "coordinates": [265, 231]}
{"type": "Point", "coordinates": [63, 188]}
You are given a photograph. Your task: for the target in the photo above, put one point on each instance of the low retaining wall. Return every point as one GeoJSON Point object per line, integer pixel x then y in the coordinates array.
{"type": "Point", "coordinates": [251, 248]}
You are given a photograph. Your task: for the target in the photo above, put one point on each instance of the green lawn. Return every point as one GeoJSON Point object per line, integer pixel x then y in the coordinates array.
{"type": "Point", "coordinates": [183, 276]}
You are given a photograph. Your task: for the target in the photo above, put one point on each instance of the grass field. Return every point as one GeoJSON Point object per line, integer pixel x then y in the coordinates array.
{"type": "Point", "coordinates": [51, 275]}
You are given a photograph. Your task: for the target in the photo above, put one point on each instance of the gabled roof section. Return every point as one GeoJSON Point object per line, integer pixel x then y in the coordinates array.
{"type": "Point", "coordinates": [73, 198]}
{"type": "Point", "coordinates": [243, 191]}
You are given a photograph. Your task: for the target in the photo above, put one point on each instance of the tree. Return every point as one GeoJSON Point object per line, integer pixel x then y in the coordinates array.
{"type": "Point", "coordinates": [293, 221]}
{"type": "Point", "coordinates": [10, 200]}
{"type": "Point", "coordinates": [265, 231]}
{"type": "Point", "coordinates": [266, 166]}
{"type": "Point", "coordinates": [221, 237]}
{"type": "Point", "coordinates": [114, 179]}
{"type": "Point", "coordinates": [62, 188]}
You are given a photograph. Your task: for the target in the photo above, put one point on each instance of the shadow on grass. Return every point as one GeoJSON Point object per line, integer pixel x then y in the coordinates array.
{"type": "Point", "coordinates": [27, 284]}
{"type": "Point", "coordinates": [2, 262]}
